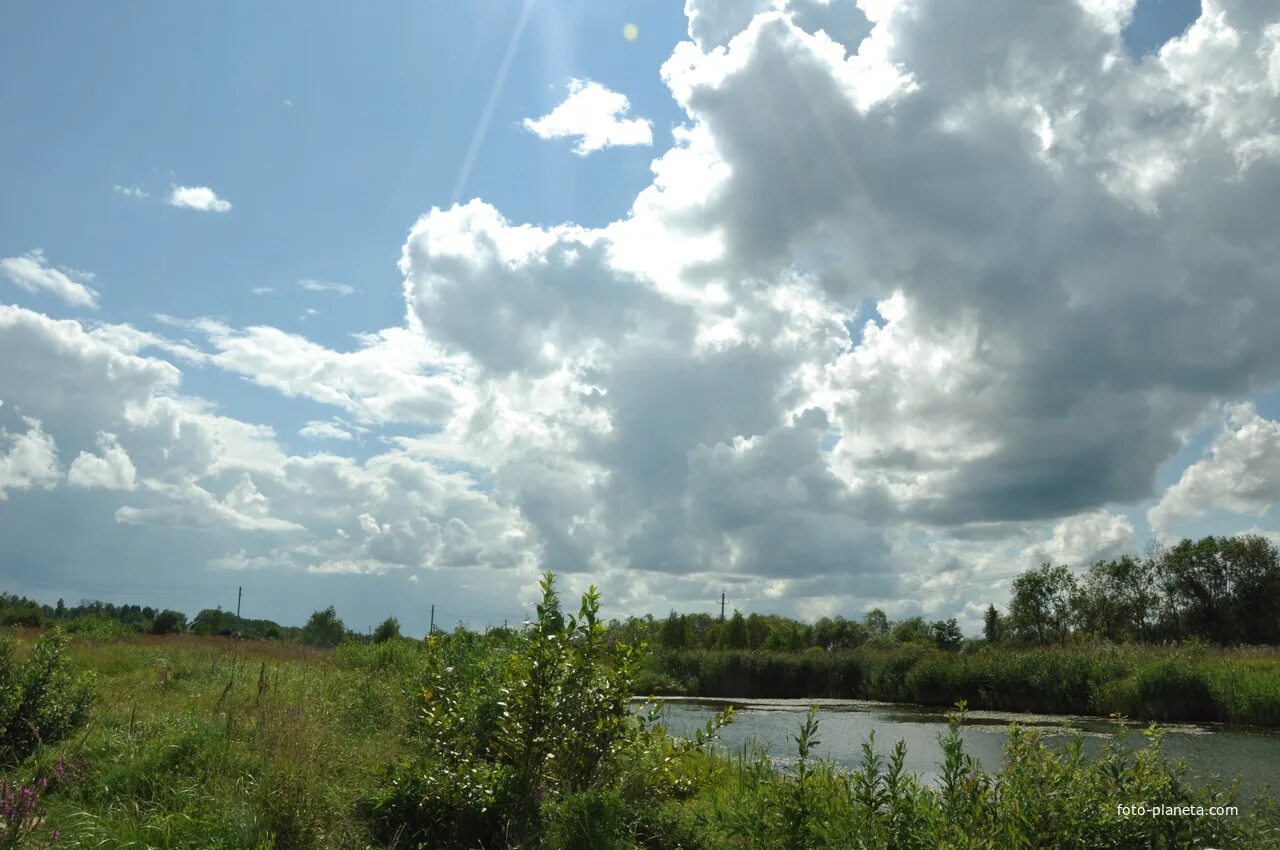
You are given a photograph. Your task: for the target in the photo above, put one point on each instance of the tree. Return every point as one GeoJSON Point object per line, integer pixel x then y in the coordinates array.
{"type": "Point", "coordinates": [788, 636]}
{"type": "Point", "coordinates": [674, 633]}
{"type": "Point", "coordinates": [992, 625]}
{"type": "Point", "coordinates": [388, 629]}
{"type": "Point", "coordinates": [1225, 590]}
{"type": "Point", "coordinates": [734, 633]}
{"type": "Point", "coordinates": [1253, 564]}
{"type": "Point", "coordinates": [1040, 608]}
{"type": "Point", "coordinates": [946, 634]}
{"type": "Point", "coordinates": [1117, 600]}
{"type": "Point", "coordinates": [1196, 589]}
{"type": "Point", "coordinates": [913, 630]}
{"type": "Point", "coordinates": [836, 633]}
{"type": "Point", "coordinates": [211, 621]}
{"type": "Point", "coordinates": [324, 628]}
{"type": "Point", "coordinates": [168, 622]}
{"type": "Point", "coordinates": [876, 622]}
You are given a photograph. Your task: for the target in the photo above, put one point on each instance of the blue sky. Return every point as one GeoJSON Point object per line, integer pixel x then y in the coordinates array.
{"type": "Point", "coordinates": [516, 405]}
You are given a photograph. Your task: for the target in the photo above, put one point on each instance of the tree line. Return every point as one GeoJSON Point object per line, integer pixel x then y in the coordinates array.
{"type": "Point", "coordinates": [1223, 590]}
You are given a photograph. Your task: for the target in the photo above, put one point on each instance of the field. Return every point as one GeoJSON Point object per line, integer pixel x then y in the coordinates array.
{"type": "Point", "coordinates": [515, 740]}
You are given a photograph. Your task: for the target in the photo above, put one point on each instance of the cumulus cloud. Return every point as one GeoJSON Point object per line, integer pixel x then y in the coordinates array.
{"type": "Point", "coordinates": [1240, 472]}
{"type": "Point", "coordinates": [110, 470]}
{"type": "Point", "coordinates": [27, 460]}
{"type": "Point", "coordinates": [130, 191]}
{"type": "Point", "coordinates": [1003, 269]}
{"type": "Point", "coordinates": [198, 198]}
{"type": "Point", "coordinates": [391, 376]}
{"type": "Point", "coordinates": [595, 116]}
{"type": "Point", "coordinates": [181, 464]}
{"type": "Point", "coordinates": [32, 273]}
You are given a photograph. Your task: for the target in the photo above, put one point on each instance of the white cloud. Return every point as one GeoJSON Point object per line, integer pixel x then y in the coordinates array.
{"type": "Point", "coordinates": [112, 470]}
{"type": "Point", "coordinates": [392, 376]}
{"type": "Point", "coordinates": [198, 198]}
{"type": "Point", "coordinates": [32, 273]}
{"type": "Point", "coordinates": [27, 460]}
{"type": "Point", "coordinates": [1240, 473]}
{"type": "Point", "coordinates": [130, 191]}
{"type": "Point", "coordinates": [595, 116]}
{"type": "Point", "coordinates": [322, 430]}
{"type": "Point", "coordinates": [263, 290]}
{"type": "Point", "coordinates": [1084, 538]}
{"type": "Point", "coordinates": [326, 286]}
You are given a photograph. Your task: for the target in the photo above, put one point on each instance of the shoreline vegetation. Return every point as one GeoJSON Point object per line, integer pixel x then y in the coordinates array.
{"type": "Point", "coordinates": [1194, 683]}
{"type": "Point", "coordinates": [527, 738]}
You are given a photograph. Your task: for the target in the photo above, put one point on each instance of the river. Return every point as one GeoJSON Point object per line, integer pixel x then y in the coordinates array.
{"type": "Point", "coordinates": [1208, 749]}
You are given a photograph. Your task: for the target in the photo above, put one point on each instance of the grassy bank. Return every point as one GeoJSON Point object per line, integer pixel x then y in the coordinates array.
{"type": "Point", "coordinates": [524, 740]}
{"type": "Point", "coordinates": [1193, 684]}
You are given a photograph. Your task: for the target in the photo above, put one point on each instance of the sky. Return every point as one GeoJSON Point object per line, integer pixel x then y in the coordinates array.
{"type": "Point", "coordinates": [827, 305]}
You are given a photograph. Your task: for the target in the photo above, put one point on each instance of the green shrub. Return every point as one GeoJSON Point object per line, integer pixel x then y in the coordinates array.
{"type": "Point", "coordinates": [387, 630]}
{"type": "Point", "coordinates": [502, 745]}
{"type": "Point", "coordinates": [41, 699]}
{"type": "Point", "coordinates": [97, 627]}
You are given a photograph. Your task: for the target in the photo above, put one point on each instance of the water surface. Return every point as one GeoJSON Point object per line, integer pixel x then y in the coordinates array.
{"type": "Point", "coordinates": [1210, 750]}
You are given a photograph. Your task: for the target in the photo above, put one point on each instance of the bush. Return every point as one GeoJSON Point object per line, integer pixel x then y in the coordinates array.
{"type": "Point", "coordinates": [503, 749]}
{"type": "Point", "coordinates": [169, 622]}
{"type": "Point", "coordinates": [41, 699]}
{"type": "Point", "coordinates": [387, 629]}
{"type": "Point", "coordinates": [97, 627]}
{"type": "Point", "coordinates": [19, 611]}
{"type": "Point", "coordinates": [324, 628]}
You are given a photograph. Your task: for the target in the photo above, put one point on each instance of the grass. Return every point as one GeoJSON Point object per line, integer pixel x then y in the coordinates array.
{"type": "Point", "coordinates": [208, 742]}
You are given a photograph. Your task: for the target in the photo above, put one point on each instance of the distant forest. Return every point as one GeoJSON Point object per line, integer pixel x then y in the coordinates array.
{"type": "Point", "coordinates": [1220, 590]}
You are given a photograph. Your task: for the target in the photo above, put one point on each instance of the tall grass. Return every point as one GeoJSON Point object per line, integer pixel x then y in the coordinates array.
{"type": "Point", "coordinates": [211, 743]}
{"type": "Point", "coordinates": [1239, 686]}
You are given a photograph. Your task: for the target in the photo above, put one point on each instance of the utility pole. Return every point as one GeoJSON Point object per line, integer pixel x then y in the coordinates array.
{"type": "Point", "coordinates": [239, 593]}
{"type": "Point", "coordinates": [431, 629]}
{"type": "Point", "coordinates": [722, 606]}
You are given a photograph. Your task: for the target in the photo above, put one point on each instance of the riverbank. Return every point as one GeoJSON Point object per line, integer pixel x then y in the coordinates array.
{"type": "Point", "coordinates": [1196, 684]}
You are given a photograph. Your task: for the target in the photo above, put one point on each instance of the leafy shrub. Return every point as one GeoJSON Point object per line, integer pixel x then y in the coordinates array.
{"type": "Point", "coordinates": [169, 622]}
{"type": "Point", "coordinates": [20, 611]}
{"type": "Point", "coordinates": [1040, 798]}
{"type": "Point", "coordinates": [387, 629]}
{"type": "Point", "coordinates": [324, 628]}
{"type": "Point", "coordinates": [41, 699]}
{"type": "Point", "coordinates": [97, 627]}
{"type": "Point", "coordinates": [503, 748]}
